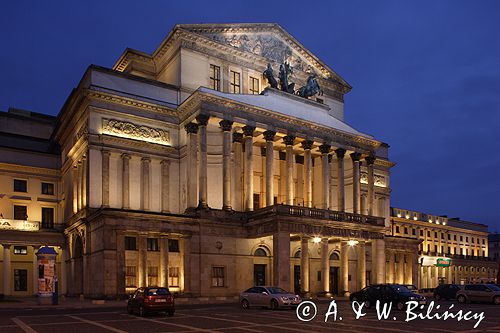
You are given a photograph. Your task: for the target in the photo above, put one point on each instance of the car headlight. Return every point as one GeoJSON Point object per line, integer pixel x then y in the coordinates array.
{"type": "Point", "coordinates": [284, 298]}
{"type": "Point", "coordinates": [412, 298]}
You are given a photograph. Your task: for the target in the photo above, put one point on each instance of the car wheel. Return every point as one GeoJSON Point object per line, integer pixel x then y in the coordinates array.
{"type": "Point", "coordinates": [461, 299]}
{"type": "Point", "coordinates": [170, 313]}
{"type": "Point", "coordinates": [274, 304]}
{"type": "Point", "coordinates": [245, 305]}
{"type": "Point", "coordinates": [142, 312]}
{"type": "Point", "coordinates": [437, 297]}
{"type": "Point", "coordinates": [400, 306]}
{"type": "Point", "coordinates": [496, 300]}
{"type": "Point", "coordinates": [368, 304]}
{"type": "Point", "coordinates": [130, 310]}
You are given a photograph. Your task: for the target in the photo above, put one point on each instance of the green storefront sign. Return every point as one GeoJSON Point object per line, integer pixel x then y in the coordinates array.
{"type": "Point", "coordinates": [443, 262]}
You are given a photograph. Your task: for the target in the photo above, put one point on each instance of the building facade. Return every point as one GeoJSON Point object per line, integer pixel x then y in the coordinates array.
{"type": "Point", "coordinates": [450, 250]}
{"type": "Point", "coordinates": [198, 167]}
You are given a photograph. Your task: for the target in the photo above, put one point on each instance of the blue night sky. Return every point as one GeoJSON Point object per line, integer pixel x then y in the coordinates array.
{"type": "Point", "coordinates": [425, 75]}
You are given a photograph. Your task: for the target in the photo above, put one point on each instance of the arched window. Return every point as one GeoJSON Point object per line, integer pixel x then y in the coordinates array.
{"type": "Point", "coordinates": [334, 256]}
{"type": "Point", "coordinates": [297, 254]}
{"type": "Point", "coordinates": [260, 252]}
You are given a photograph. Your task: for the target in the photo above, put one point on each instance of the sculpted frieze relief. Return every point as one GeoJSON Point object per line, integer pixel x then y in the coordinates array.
{"type": "Point", "coordinates": [379, 180]}
{"type": "Point", "coordinates": [137, 132]}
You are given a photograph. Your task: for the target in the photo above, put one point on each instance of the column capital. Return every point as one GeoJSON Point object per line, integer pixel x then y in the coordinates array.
{"type": "Point", "coordinates": [191, 128]}
{"type": "Point", "coordinates": [248, 130]}
{"type": "Point", "coordinates": [226, 125]}
{"type": "Point", "coordinates": [324, 148]}
{"type": "Point", "coordinates": [237, 137]}
{"type": "Point", "coordinates": [288, 140]}
{"type": "Point", "coordinates": [146, 159]}
{"type": "Point", "coordinates": [370, 159]}
{"type": "Point", "coordinates": [202, 119]}
{"type": "Point", "coordinates": [105, 152]}
{"type": "Point", "coordinates": [355, 156]}
{"type": "Point", "coordinates": [307, 144]}
{"type": "Point", "coordinates": [126, 156]}
{"type": "Point", "coordinates": [340, 152]}
{"type": "Point", "coordinates": [269, 135]}
{"type": "Point", "coordinates": [165, 162]}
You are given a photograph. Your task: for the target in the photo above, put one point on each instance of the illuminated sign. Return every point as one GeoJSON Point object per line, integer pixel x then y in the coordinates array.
{"type": "Point", "coordinates": [435, 261]}
{"type": "Point", "coordinates": [8, 224]}
{"type": "Point", "coordinates": [443, 262]}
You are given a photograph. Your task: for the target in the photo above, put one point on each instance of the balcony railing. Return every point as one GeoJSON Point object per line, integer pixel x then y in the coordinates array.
{"type": "Point", "coordinates": [23, 225]}
{"type": "Point", "coordinates": [314, 213]}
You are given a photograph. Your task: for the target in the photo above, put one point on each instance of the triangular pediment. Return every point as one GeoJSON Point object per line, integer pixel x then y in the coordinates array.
{"type": "Point", "coordinates": [267, 40]}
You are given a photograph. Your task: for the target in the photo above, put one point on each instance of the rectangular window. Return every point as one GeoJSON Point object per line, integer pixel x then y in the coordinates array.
{"type": "Point", "coordinates": [413, 232]}
{"type": "Point", "coordinates": [254, 86]}
{"type": "Point", "coordinates": [256, 201]}
{"type": "Point", "coordinates": [483, 241]}
{"type": "Point", "coordinates": [454, 237]}
{"type": "Point", "coordinates": [397, 229]}
{"type": "Point", "coordinates": [130, 275]}
{"type": "Point", "coordinates": [215, 77]}
{"type": "Point", "coordinates": [406, 231]}
{"type": "Point", "coordinates": [47, 218]}
{"type": "Point", "coordinates": [461, 238]}
{"type": "Point", "coordinates": [20, 212]}
{"type": "Point", "coordinates": [173, 245]}
{"type": "Point", "coordinates": [435, 248]}
{"type": "Point", "coordinates": [235, 83]}
{"type": "Point", "coordinates": [21, 280]}
{"type": "Point", "coordinates": [466, 239]}
{"type": "Point", "coordinates": [20, 185]}
{"type": "Point", "coordinates": [153, 244]}
{"type": "Point", "coordinates": [428, 248]}
{"type": "Point", "coordinates": [435, 234]}
{"type": "Point", "coordinates": [428, 233]}
{"type": "Point", "coordinates": [20, 250]}
{"type": "Point", "coordinates": [48, 188]}
{"type": "Point", "coordinates": [449, 237]}
{"type": "Point", "coordinates": [130, 243]}
{"type": "Point", "coordinates": [218, 276]}
{"type": "Point", "coordinates": [173, 277]}
{"type": "Point", "coordinates": [152, 276]}
{"type": "Point", "coordinates": [442, 235]}
{"type": "Point", "coordinates": [421, 233]}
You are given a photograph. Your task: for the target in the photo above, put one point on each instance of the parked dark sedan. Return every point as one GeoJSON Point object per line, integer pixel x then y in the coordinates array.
{"type": "Point", "coordinates": [396, 294]}
{"type": "Point", "coordinates": [446, 291]}
{"type": "Point", "coordinates": [151, 299]}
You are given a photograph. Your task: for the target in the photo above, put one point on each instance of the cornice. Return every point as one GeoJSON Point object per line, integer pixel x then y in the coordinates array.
{"type": "Point", "coordinates": [17, 168]}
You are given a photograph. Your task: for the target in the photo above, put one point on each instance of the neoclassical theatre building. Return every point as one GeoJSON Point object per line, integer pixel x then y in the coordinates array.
{"type": "Point", "coordinates": [219, 162]}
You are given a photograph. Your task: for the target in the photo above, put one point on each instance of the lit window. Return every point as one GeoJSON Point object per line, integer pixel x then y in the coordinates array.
{"type": "Point", "coordinates": [20, 250]}
{"type": "Point", "coordinates": [130, 275]}
{"type": "Point", "coordinates": [254, 86]}
{"type": "Point", "coordinates": [173, 245]}
{"type": "Point", "coordinates": [235, 82]}
{"type": "Point", "coordinates": [130, 243]}
{"type": "Point", "coordinates": [47, 218]}
{"type": "Point", "coordinates": [20, 212]}
{"type": "Point", "coordinates": [152, 276]}
{"type": "Point", "coordinates": [215, 77]}
{"type": "Point", "coordinates": [48, 188]}
{"type": "Point", "coordinates": [152, 244]}
{"type": "Point", "coordinates": [20, 185]}
{"type": "Point", "coordinates": [173, 276]}
{"type": "Point", "coordinates": [20, 280]}
{"type": "Point", "coordinates": [218, 276]}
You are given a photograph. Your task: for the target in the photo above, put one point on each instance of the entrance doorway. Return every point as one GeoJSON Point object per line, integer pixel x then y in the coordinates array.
{"type": "Point", "coordinates": [296, 279]}
{"type": "Point", "coordinates": [259, 275]}
{"type": "Point", "coordinates": [334, 280]}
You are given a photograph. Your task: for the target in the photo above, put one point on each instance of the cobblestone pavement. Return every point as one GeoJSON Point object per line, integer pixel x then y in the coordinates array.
{"type": "Point", "coordinates": [231, 318]}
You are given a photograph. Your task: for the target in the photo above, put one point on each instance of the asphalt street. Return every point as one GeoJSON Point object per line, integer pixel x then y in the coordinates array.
{"type": "Point", "coordinates": [231, 318]}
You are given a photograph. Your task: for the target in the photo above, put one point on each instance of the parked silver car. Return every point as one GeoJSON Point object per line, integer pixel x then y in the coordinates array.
{"type": "Point", "coordinates": [273, 297]}
{"type": "Point", "coordinates": [479, 293]}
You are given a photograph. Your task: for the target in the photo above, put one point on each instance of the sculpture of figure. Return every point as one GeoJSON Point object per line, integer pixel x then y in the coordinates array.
{"type": "Point", "coordinates": [311, 88]}
{"type": "Point", "coordinates": [268, 73]}
{"type": "Point", "coordinates": [285, 72]}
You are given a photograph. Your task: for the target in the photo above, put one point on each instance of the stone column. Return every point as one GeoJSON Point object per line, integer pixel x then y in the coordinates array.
{"type": "Point", "coordinates": [344, 269]}
{"type": "Point", "coordinates": [370, 160]}
{"type": "Point", "coordinates": [435, 281]}
{"type": "Point", "coordinates": [192, 165]}
{"type": "Point", "coordinates": [248, 132]}
{"type": "Point", "coordinates": [340, 179]}
{"type": "Point", "coordinates": [390, 270]}
{"type": "Point", "coordinates": [269, 136]}
{"type": "Point", "coordinates": [105, 177]}
{"type": "Point", "coordinates": [35, 271]}
{"type": "Point", "coordinates": [75, 188]}
{"type": "Point", "coordinates": [186, 255]}
{"type": "Point", "coordinates": [7, 274]}
{"type": "Point", "coordinates": [408, 268]}
{"type": "Point", "coordinates": [356, 193]}
{"type": "Point", "coordinates": [120, 264]}
{"type": "Point", "coordinates": [80, 185]}
{"type": "Point", "coordinates": [126, 181]}
{"type": "Point", "coordinates": [165, 186]}
{"type": "Point", "coordinates": [421, 280]}
{"type": "Point", "coordinates": [238, 171]}
{"type": "Point", "coordinates": [325, 267]}
{"type": "Point", "coordinates": [84, 181]}
{"type": "Point", "coordinates": [361, 265]}
{"type": "Point", "coordinates": [281, 259]}
{"type": "Point", "coordinates": [63, 289]}
{"type": "Point", "coordinates": [325, 200]}
{"type": "Point", "coordinates": [226, 126]}
{"type": "Point", "coordinates": [304, 265]}
{"type": "Point", "coordinates": [146, 168]}
{"type": "Point", "coordinates": [164, 261]}
{"type": "Point", "coordinates": [202, 120]}
{"type": "Point", "coordinates": [400, 268]}
{"type": "Point", "coordinates": [307, 145]}
{"type": "Point", "coordinates": [378, 251]}
{"type": "Point", "coordinates": [289, 140]}
{"type": "Point", "coordinates": [142, 261]}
